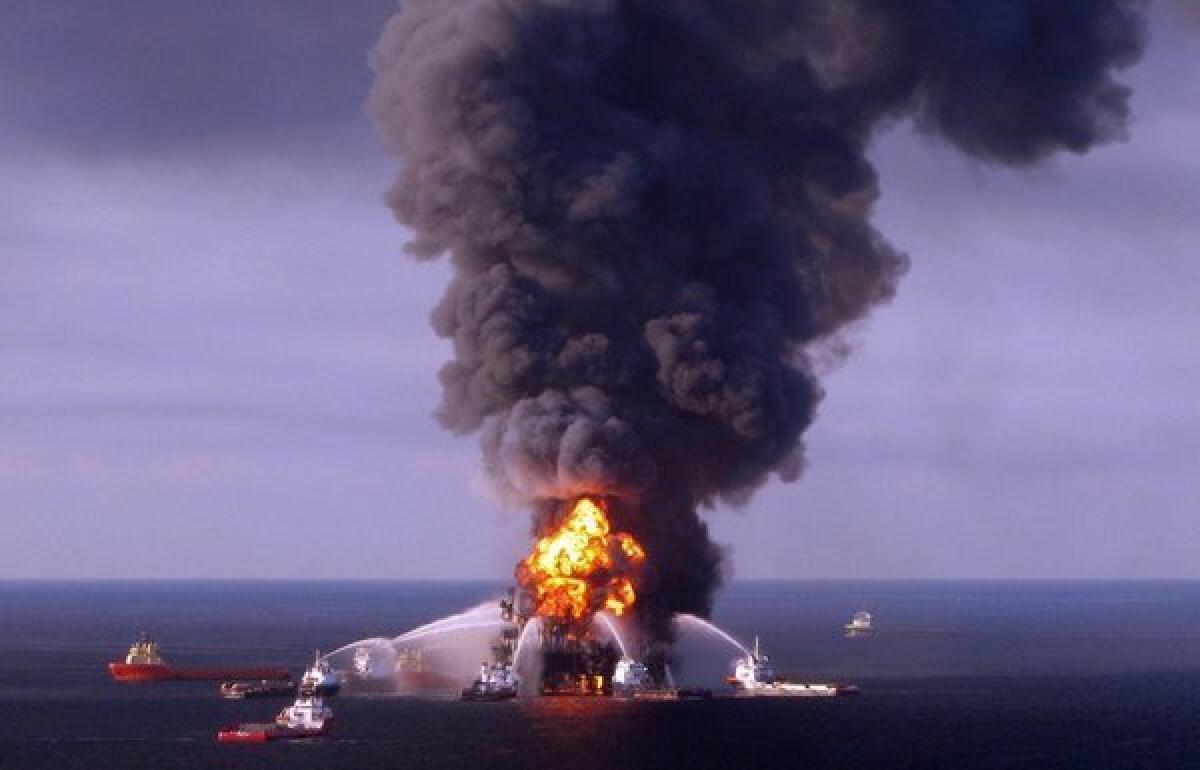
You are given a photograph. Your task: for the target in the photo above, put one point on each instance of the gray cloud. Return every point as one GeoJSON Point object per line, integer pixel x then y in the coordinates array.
{"type": "Point", "coordinates": [125, 75]}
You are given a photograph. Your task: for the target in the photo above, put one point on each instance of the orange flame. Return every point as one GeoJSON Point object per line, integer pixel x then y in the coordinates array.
{"type": "Point", "coordinates": [580, 567]}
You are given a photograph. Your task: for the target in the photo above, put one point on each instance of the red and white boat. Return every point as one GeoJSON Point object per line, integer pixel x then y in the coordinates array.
{"type": "Point", "coordinates": [307, 717]}
{"type": "Point", "coordinates": [144, 664]}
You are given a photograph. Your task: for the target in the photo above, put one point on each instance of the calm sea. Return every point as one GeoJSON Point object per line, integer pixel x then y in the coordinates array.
{"type": "Point", "coordinates": [973, 674]}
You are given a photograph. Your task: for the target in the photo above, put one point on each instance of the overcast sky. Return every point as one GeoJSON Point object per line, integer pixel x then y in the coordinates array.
{"type": "Point", "coordinates": [215, 359]}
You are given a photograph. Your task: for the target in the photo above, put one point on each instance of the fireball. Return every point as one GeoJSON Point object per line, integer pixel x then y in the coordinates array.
{"type": "Point", "coordinates": [582, 566]}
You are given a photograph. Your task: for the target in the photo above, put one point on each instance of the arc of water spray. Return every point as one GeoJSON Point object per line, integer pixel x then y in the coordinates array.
{"type": "Point", "coordinates": [531, 631]}
{"type": "Point", "coordinates": [374, 641]}
{"type": "Point", "coordinates": [490, 612]}
{"type": "Point", "coordinates": [612, 629]}
{"type": "Point", "coordinates": [483, 615]}
{"type": "Point", "coordinates": [413, 636]}
{"type": "Point", "coordinates": [704, 624]}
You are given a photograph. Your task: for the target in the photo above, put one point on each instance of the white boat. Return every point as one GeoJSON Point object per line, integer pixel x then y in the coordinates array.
{"type": "Point", "coordinates": [307, 717]}
{"type": "Point", "coordinates": [753, 672]}
{"type": "Point", "coordinates": [631, 677]}
{"type": "Point", "coordinates": [307, 712]}
{"type": "Point", "coordinates": [754, 675]}
{"type": "Point", "coordinates": [496, 682]}
{"type": "Point", "coordinates": [859, 625]}
{"type": "Point", "coordinates": [320, 679]}
{"type": "Point", "coordinates": [363, 663]}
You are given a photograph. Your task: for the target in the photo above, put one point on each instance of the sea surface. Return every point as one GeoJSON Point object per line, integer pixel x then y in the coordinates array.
{"type": "Point", "coordinates": [961, 674]}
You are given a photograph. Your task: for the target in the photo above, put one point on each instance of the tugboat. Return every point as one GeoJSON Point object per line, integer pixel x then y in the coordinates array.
{"type": "Point", "coordinates": [307, 717]}
{"type": "Point", "coordinates": [859, 625]}
{"type": "Point", "coordinates": [754, 675]}
{"type": "Point", "coordinates": [496, 682]}
{"type": "Point", "coordinates": [630, 678]}
{"type": "Point", "coordinates": [320, 679]}
{"type": "Point", "coordinates": [143, 664]}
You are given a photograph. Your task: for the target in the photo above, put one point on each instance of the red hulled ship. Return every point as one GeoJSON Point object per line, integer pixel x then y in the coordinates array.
{"type": "Point", "coordinates": [144, 664]}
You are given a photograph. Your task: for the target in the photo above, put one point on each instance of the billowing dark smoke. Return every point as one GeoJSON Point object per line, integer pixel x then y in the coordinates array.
{"type": "Point", "coordinates": [655, 208]}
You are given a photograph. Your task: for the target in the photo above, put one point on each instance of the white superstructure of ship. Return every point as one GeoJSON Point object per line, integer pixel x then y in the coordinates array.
{"type": "Point", "coordinates": [307, 712]}
{"type": "Point", "coordinates": [307, 717]}
{"type": "Point", "coordinates": [631, 677]}
{"type": "Point", "coordinates": [860, 624]}
{"type": "Point", "coordinates": [320, 679]}
{"type": "Point", "coordinates": [496, 681]}
{"type": "Point", "coordinates": [363, 663]}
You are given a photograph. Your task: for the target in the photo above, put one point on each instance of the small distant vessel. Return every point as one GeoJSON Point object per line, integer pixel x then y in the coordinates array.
{"type": "Point", "coordinates": [320, 679]}
{"type": "Point", "coordinates": [264, 688]}
{"type": "Point", "coordinates": [307, 717]}
{"type": "Point", "coordinates": [496, 682]}
{"type": "Point", "coordinates": [755, 675]}
{"type": "Point", "coordinates": [144, 664]}
{"type": "Point", "coordinates": [859, 625]}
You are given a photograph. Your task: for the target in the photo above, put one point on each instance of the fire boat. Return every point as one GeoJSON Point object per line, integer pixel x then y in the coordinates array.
{"type": "Point", "coordinates": [144, 664]}
{"type": "Point", "coordinates": [496, 682]}
{"type": "Point", "coordinates": [307, 717]}
{"type": "Point", "coordinates": [320, 679]}
{"type": "Point", "coordinates": [754, 675]}
{"type": "Point", "coordinates": [630, 678]}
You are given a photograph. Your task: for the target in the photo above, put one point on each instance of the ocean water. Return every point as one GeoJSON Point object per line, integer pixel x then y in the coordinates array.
{"type": "Point", "coordinates": [961, 674]}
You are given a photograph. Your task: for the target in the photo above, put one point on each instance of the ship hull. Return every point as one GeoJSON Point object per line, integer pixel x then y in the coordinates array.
{"type": "Point", "coordinates": [488, 696]}
{"type": "Point", "coordinates": [793, 690]}
{"type": "Point", "coordinates": [140, 672]}
{"type": "Point", "coordinates": [267, 689]}
{"type": "Point", "coordinates": [267, 732]}
{"type": "Point", "coordinates": [424, 681]}
{"type": "Point", "coordinates": [160, 672]}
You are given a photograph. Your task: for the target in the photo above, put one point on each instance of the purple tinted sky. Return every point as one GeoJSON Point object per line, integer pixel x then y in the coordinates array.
{"type": "Point", "coordinates": [214, 360]}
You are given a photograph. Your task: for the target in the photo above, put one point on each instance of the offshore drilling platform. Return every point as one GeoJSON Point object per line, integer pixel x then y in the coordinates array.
{"type": "Point", "coordinates": [570, 657]}
{"type": "Point", "coordinates": [578, 570]}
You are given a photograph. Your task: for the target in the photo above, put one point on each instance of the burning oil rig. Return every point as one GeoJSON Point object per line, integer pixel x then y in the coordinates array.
{"type": "Point", "coordinates": [580, 568]}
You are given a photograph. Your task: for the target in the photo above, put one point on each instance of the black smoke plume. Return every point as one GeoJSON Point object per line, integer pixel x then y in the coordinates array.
{"type": "Point", "coordinates": [655, 208]}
